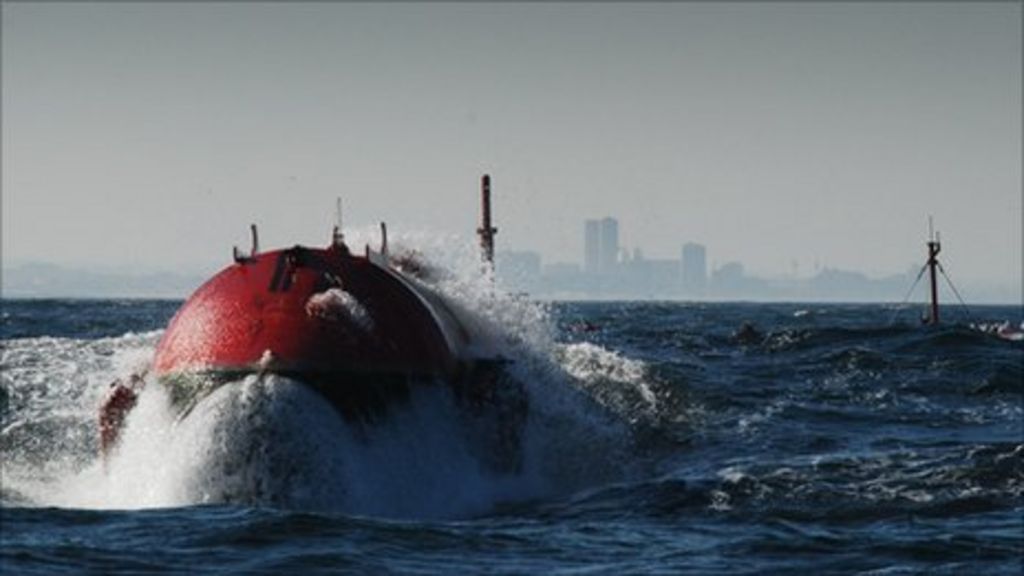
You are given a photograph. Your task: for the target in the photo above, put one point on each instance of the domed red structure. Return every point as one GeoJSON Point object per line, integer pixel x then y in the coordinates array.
{"type": "Point", "coordinates": [310, 311]}
{"type": "Point", "coordinates": [358, 329]}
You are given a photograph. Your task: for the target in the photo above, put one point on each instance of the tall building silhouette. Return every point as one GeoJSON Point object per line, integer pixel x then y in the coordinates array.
{"type": "Point", "coordinates": [591, 246]}
{"type": "Point", "coordinates": [609, 255]}
{"type": "Point", "coordinates": [695, 269]}
{"type": "Point", "coordinates": [600, 246]}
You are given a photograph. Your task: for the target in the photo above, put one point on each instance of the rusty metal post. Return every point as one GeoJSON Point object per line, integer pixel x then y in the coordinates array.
{"type": "Point", "coordinates": [933, 251]}
{"type": "Point", "coordinates": [486, 231]}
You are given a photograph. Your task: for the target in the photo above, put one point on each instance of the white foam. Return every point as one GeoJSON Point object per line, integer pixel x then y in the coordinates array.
{"type": "Point", "coordinates": [335, 303]}
{"type": "Point", "coordinates": [272, 441]}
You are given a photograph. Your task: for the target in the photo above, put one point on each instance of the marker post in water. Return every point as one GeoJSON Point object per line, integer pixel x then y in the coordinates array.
{"type": "Point", "coordinates": [486, 230]}
{"type": "Point", "coordinates": [934, 246]}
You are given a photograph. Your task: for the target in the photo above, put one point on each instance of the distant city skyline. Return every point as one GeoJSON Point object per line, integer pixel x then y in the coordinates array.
{"type": "Point", "coordinates": [605, 270]}
{"type": "Point", "coordinates": [145, 137]}
{"type": "Point", "coordinates": [688, 277]}
{"type": "Point", "coordinates": [525, 271]}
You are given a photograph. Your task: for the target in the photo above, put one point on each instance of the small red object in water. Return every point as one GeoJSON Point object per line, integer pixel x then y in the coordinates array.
{"type": "Point", "coordinates": [119, 401]}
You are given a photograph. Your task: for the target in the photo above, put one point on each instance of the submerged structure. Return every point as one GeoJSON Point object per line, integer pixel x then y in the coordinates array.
{"type": "Point", "coordinates": [934, 247]}
{"type": "Point", "coordinates": [361, 329]}
{"type": "Point", "coordinates": [934, 268]}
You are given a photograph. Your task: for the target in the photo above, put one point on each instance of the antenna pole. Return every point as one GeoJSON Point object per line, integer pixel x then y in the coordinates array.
{"type": "Point", "coordinates": [933, 250]}
{"type": "Point", "coordinates": [337, 237]}
{"type": "Point", "coordinates": [486, 231]}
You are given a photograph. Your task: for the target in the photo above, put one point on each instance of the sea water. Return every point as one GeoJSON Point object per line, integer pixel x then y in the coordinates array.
{"type": "Point", "coordinates": [658, 439]}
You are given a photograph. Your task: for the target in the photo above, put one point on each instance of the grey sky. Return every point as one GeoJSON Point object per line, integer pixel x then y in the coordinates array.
{"type": "Point", "coordinates": [149, 135]}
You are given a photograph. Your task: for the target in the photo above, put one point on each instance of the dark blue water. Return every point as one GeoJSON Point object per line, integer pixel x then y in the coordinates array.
{"type": "Point", "coordinates": [825, 440]}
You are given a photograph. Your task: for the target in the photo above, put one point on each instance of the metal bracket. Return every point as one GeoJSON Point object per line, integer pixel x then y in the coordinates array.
{"type": "Point", "coordinates": [253, 252]}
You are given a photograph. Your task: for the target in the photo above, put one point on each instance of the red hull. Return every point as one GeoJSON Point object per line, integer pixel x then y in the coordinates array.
{"type": "Point", "coordinates": [353, 328]}
{"type": "Point", "coordinates": [306, 310]}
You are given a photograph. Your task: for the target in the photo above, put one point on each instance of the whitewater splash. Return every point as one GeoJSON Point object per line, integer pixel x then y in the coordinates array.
{"type": "Point", "coordinates": [268, 440]}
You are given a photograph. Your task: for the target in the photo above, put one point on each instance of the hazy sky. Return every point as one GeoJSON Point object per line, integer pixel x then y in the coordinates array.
{"type": "Point", "coordinates": [149, 135]}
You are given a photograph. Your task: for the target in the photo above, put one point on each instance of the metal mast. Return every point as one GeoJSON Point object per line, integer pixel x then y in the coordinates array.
{"type": "Point", "coordinates": [337, 236]}
{"type": "Point", "coordinates": [486, 231]}
{"type": "Point", "coordinates": [934, 246]}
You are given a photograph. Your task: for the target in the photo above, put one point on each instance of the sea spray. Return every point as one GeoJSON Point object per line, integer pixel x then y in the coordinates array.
{"type": "Point", "coordinates": [52, 388]}
{"type": "Point", "coordinates": [271, 441]}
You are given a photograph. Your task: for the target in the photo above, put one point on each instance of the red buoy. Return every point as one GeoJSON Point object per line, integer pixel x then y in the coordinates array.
{"type": "Point", "coordinates": [355, 328]}
{"type": "Point", "coordinates": [307, 311]}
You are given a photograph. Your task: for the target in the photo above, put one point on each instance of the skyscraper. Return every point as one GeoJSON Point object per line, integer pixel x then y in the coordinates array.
{"type": "Point", "coordinates": [600, 246]}
{"type": "Point", "coordinates": [609, 253]}
{"type": "Point", "coordinates": [695, 269]}
{"type": "Point", "coordinates": [591, 246]}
